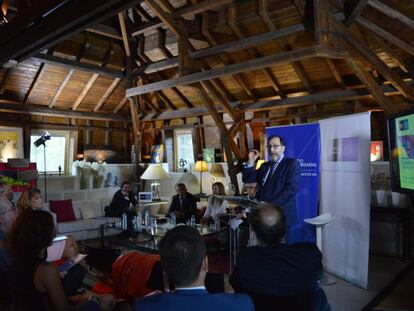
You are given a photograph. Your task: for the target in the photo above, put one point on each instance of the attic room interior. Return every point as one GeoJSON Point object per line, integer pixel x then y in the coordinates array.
{"type": "Point", "coordinates": [156, 102]}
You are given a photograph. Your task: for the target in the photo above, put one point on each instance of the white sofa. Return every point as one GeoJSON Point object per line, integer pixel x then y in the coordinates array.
{"type": "Point", "coordinates": [89, 228]}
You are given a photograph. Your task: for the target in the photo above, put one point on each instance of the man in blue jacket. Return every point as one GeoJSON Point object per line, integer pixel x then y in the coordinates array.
{"type": "Point", "coordinates": [184, 259]}
{"type": "Point", "coordinates": [277, 179]}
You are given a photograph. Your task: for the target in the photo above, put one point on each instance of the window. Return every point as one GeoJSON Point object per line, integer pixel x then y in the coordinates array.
{"type": "Point", "coordinates": [184, 151]}
{"type": "Point", "coordinates": [59, 151]}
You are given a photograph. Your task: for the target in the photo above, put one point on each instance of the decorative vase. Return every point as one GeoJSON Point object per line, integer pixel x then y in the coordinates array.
{"type": "Point", "coordinates": [83, 180]}
{"type": "Point", "coordinates": [381, 197]}
{"type": "Point", "coordinates": [97, 181]}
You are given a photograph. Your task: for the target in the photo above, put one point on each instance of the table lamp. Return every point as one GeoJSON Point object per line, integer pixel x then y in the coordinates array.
{"type": "Point", "coordinates": [155, 172]}
{"type": "Point", "coordinates": [201, 166]}
{"type": "Point", "coordinates": [216, 170]}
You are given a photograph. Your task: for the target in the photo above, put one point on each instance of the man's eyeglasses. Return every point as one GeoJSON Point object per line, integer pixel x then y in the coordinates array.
{"type": "Point", "coordinates": [273, 146]}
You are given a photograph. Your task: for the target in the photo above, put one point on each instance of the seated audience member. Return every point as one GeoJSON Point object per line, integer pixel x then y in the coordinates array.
{"type": "Point", "coordinates": [31, 200]}
{"type": "Point", "coordinates": [183, 204]}
{"type": "Point", "coordinates": [251, 189]}
{"type": "Point", "coordinates": [8, 214]}
{"type": "Point", "coordinates": [215, 206]}
{"type": "Point", "coordinates": [123, 201]}
{"type": "Point", "coordinates": [35, 283]}
{"type": "Point", "coordinates": [286, 276]}
{"type": "Point", "coordinates": [183, 257]}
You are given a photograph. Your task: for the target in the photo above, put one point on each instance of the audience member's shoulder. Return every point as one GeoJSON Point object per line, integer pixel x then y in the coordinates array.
{"type": "Point", "coordinates": [310, 247]}
{"type": "Point", "coordinates": [233, 301]}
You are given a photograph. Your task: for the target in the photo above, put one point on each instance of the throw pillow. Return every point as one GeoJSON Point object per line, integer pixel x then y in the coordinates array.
{"type": "Point", "coordinates": [88, 212]}
{"type": "Point", "coordinates": [63, 210]}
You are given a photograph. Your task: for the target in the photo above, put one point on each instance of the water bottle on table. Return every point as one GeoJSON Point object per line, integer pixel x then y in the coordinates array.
{"type": "Point", "coordinates": [146, 219]}
{"type": "Point", "coordinates": [124, 221]}
{"type": "Point", "coordinates": [192, 221]}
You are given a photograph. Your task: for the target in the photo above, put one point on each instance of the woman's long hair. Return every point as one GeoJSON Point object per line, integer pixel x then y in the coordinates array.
{"type": "Point", "coordinates": [216, 202]}
{"type": "Point", "coordinates": [32, 232]}
{"type": "Point", "coordinates": [24, 201]}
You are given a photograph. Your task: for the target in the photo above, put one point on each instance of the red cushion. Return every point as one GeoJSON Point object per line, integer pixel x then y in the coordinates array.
{"type": "Point", "coordinates": [63, 210]}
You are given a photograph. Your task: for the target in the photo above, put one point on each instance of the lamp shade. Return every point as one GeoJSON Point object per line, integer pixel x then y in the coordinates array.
{"type": "Point", "coordinates": [201, 166]}
{"type": "Point", "coordinates": [190, 181]}
{"type": "Point", "coordinates": [259, 163]}
{"type": "Point", "coordinates": [154, 172]}
{"type": "Point", "coordinates": [217, 170]}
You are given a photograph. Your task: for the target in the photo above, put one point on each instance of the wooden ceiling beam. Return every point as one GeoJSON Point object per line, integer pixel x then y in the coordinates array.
{"type": "Point", "coordinates": [371, 84]}
{"type": "Point", "coordinates": [105, 31]}
{"type": "Point", "coordinates": [17, 107]}
{"type": "Point", "coordinates": [253, 64]}
{"type": "Point", "coordinates": [4, 80]}
{"type": "Point", "coordinates": [71, 64]}
{"type": "Point", "coordinates": [253, 52]}
{"type": "Point", "coordinates": [386, 35]}
{"type": "Point", "coordinates": [321, 17]}
{"type": "Point", "coordinates": [353, 10]}
{"type": "Point", "coordinates": [186, 11]}
{"type": "Point", "coordinates": [120, 105]}
{"type": "Point", "coordinates": [55, 27]}
{"type": "Point", "coordinates": [351, 44]}
{"type": "Point", "coordinates": [312, 99]}
{"type": "Point", "coordinates": [392, 13]}
{"type": "Point", "coordinates": [297, 66]}
{"type": "Point", "coordinates": [33, 84]}
{"type": "Point", "coordinates": [166, 100]}
{"type": "Point", "coordinates": [107, 93]}
{"type": "Point", "coordinates": [335, 73]}
{"type": "Point", "coordinates": [229, 47]}
{"type": "Point", "coordinates": [60, 88]}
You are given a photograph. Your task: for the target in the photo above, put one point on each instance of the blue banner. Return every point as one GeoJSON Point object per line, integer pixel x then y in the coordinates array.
{"type": "Point", "coordinates": [303, 143]}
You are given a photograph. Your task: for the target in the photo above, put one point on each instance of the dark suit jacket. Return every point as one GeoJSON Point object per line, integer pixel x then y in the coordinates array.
{"type": "Point", "coordinates": [279, 272]}
{"type": "Point", "coordinates": [281, 188]}
{"type": "Point", "coordinates": [119, 204]}
{"type": "Point", "coordinates": [196, 299]}
{"type": "Point", "coordinates": [189, 206]}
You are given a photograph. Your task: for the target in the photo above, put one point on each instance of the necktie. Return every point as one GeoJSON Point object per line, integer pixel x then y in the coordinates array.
{"type": "Point", "coordinates": [270, 171]}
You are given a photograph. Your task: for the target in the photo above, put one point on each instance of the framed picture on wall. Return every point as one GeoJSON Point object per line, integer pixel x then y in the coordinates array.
{"type": "Point", "coordinates": [157, 153]}
{"type": "Point", "coordinates": [208, 155]}
{"type": "Point", "coordinates": [11, 143]}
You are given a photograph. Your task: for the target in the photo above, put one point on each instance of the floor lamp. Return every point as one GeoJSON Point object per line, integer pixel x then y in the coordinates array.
{"type": "Point", "coordinates": [42, 141]}
{"type": "Point", "coordinates": [201, 166]}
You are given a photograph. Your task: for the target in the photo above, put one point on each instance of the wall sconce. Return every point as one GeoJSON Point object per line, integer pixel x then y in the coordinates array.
{"type": "Point", "coordinates": [201, 166]}
{"type": "Point", "coordinates": [155, 172]}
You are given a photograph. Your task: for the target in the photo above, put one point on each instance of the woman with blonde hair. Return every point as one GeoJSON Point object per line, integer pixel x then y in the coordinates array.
{"type": "Point", "coordinates": [215, 206]}
{"type": "Point", "coordinates": [31, 200]}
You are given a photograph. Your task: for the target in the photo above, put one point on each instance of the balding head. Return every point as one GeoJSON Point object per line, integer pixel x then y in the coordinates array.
{"type": "Point", "coordinates": [268, 222]}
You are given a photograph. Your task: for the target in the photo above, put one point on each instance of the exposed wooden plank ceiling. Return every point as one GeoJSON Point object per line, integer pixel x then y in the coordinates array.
{"type": "Point", "coordinates": [248, 52]}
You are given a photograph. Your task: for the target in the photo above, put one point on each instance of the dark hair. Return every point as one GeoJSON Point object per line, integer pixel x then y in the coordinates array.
{"type": "Point", "coordinates": [268, 234]}
{"type": "Point", "coordinates": [181, 185]}
{"type": "Point", "coordinates": [282, 141]}
{"type": "Point", "coordinates": [125, 183]}
{"type": "Point", "coordinates": [24, 201]}
{"type": "Point", "coordinates": [31, 232]}
{"type": "Point", "coordinates": [182, 251]}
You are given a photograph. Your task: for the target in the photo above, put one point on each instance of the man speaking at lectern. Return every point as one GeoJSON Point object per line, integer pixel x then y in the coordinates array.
{"type": "Point", "coordinates": [277, 179]}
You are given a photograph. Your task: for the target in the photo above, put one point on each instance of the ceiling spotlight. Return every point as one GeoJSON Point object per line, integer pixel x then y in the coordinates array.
{"type": "Point", "coordinates": [42, 139]}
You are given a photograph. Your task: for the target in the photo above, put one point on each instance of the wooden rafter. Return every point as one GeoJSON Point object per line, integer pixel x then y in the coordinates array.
{"type": "Point", "coordinates": [120, 105]}
{"type": "Point", "coordinates": [186, 11]}
{"type": "Point", "coordinates": [229, 47]}
{"type": "Point", "coordinates": [297, 66]}
{"type": "Point", "coordinates": [350, 43]}
{"type": "Point", "coordinates": [4, 80]}
{"type": "Point", "coordinates": [353, 10]}
{"type": "Point", "coordinates": [105, 31]}
{"type": "Point", "coordinates": [227, 70]}
{"type": "Point", "coordinates": [253, 52]}
{"type": "Point", "coordinates": [107, 93]}
{"type": "Point", "coordinates": [71, 64]}
{"type": "Point", "coordinates": [48, 29]}
{"type": "Point", "coordinates": [84, 91]}
{"type": "Point", "coordinates": [34, 82]}
{"type": "Point", "coordinates": [298, 101]}
{"type": "Point", "coordinates": [386, 35]}
{"type": "Point", "coordinates": [237, 77]}
{"type": "Point", "coordinates": [60, 88]}
{"type": "Point", "coordinates": [389, 11]}
{"type": "Point", "coordinates": [371, 84]}
{"type": "Point", "coordinates": [321, 17]}
{"type": "Point", "coordinates": [335, 73]}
